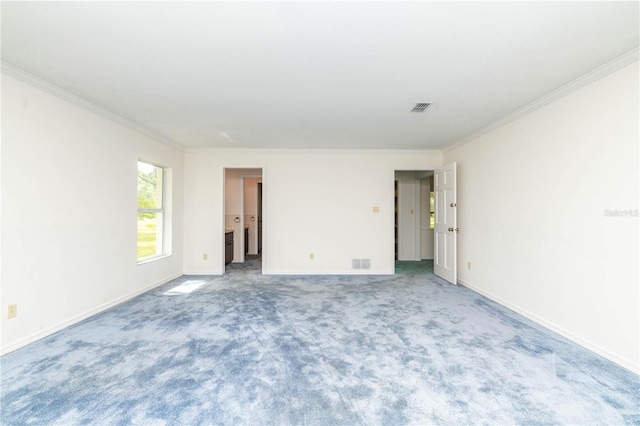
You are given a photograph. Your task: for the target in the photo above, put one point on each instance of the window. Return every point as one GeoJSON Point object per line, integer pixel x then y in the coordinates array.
{"type": "Point", "coordinates": [151, 210]}
{"type": "Point", "coordinates": [432, 210]}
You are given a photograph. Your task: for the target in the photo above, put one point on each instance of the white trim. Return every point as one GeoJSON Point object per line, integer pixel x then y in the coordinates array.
{"type": "Point", "coordinates": [153, 258]}
{"type": "Point", "coordinates": [587, 344]}
{"type": "Point", "coordinates": [349, 272]}
{"type": "Point", "coordinates": [305, 272]}
{"type": "Point", "coordinates": [50, 88]}
{"type": "Point", "coordinates": [314, 151]}
{"type": "Point", "coordinates": [602, 71]}
{"type": "Point", "coordinates": [74, 320]}
{"type": "Point", "coordinates": [262, 175]}
{"type": "Point", "coordinates": [626, 59]}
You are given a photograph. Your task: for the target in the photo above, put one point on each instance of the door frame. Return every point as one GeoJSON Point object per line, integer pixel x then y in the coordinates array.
{"type": "Point", "coordinates": [222, 224]}
{"type": "Point", "coordinates": [255, 218]}
{"type": "Point", "coordinates": [418, 175]}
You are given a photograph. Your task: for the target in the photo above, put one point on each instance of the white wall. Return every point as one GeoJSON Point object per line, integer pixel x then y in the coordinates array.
{"type": "Point", "coordinates": [426, 233]}
{"type": "Point", "coordinates": [532, 200]}
{"type": "Point", "coordinates": [314, 201]}
{"type": "Point", "coordinates": [69, 190]}
{"type": "Point", "coordinates": [251, 211]}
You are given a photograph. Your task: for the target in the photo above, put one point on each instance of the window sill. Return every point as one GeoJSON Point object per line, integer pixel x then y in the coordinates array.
{"type": "Point", "coordinates": [153, 259]}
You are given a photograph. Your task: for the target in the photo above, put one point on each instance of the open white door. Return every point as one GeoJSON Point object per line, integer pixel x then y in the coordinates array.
{"type": "Point", "coordinates": [445, 236]}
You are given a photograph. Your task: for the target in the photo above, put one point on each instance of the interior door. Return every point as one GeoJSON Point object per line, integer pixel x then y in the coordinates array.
{"type": "Point", "coordinates": [445, 259]}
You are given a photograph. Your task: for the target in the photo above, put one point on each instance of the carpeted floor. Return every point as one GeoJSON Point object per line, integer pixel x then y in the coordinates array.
{"type": "Point", "coordinates": [413, 267]}
{"type": "Point", "coordinates": [331, 350]}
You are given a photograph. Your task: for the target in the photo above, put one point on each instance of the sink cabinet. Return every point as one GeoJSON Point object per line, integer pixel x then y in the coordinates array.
{"type": "Point", "coordinates": [228, 247]}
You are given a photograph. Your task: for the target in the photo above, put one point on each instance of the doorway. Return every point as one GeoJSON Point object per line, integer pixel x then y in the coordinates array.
{"type": "Point", "coordinates": [413, 227]}
{"type": "Point", "coordinates": [260, 217]}
{"type": "Point", "coordinates": [243, 201]}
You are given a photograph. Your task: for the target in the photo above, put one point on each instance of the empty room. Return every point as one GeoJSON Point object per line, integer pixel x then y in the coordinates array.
{"type": "Point", "coordinates": [325, 213]}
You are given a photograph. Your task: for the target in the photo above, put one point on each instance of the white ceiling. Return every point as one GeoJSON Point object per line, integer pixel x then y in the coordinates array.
{"type": "Point", "coordinates": [314, 74]}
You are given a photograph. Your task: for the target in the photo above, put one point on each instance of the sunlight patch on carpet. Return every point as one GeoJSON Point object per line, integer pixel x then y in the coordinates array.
{"type": "Point", "coordinates": [185, 288]}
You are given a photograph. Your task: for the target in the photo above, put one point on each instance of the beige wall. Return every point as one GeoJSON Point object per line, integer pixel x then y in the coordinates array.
{"type": "Point", "coordinates": [533, 197]}
{"type": "Point", "coordinates": [315, 201]}
{"type": "Point", "coordinates": [69, 202]}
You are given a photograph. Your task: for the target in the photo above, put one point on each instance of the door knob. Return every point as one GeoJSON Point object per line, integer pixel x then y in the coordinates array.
{"type": "Point", "coordinates": [452, 229]}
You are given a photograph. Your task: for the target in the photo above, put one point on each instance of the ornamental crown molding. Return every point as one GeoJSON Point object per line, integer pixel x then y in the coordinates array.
{"type": "Point", "coordinates": [602, 71]}
{"type": "Point", "coordinates": [59, 92]}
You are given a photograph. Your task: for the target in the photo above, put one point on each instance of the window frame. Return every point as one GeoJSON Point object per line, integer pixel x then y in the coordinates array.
{"type": "Point", "coordinates": [161, 225]}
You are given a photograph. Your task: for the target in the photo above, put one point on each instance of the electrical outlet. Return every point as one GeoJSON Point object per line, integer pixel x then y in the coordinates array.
{"type": "Point", "coordinates": [376, 209]}
{"type": "Point", "coordinates": [205, 256]}
{"type": "Point", "coordinates": [468, 265]}
{"type": "Point", "coordinates": [311, 256]}
{"type": "Point", "coordinates": [12, 312]}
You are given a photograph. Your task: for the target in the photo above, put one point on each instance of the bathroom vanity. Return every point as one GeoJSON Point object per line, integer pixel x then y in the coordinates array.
{"type": "Point", "coordinates": [228, 247]}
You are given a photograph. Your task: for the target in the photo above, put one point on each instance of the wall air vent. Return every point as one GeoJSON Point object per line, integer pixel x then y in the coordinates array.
{"type": "Point", "coordinates": [361, 264]}
{"type": "Point", "coordinates": [421, 107]}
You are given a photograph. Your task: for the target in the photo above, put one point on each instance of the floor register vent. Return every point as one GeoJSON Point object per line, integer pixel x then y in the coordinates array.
{"type": "Point", "coordinates": [361, 264]}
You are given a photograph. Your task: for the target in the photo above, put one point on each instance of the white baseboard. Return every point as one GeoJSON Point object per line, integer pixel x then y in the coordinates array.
{"type": "Point", "coordinates": [200, 273]}
{"type": "Point", "coordinates": [329, 272]}
{"type": "Point", "coordinates": [76, 319]}
{"type": "Point", "coordinates": [629, 365]}
{"type": "Point", "coordinates": [305, 272]}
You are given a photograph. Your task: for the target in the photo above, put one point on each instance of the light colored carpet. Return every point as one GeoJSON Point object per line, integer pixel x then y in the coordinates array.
{"type": "Point", "coordinates": [414, 267]}
{"type": "Point", "coordinates": [332, 350]}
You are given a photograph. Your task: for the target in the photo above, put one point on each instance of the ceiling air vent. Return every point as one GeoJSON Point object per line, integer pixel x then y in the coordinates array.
{"type": "Point", "coordinates": [420, 107]}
